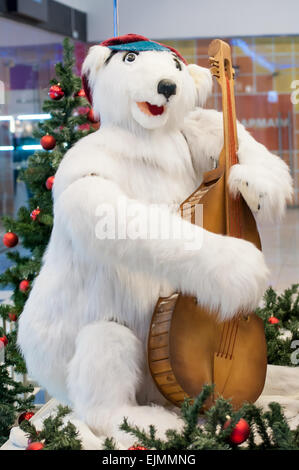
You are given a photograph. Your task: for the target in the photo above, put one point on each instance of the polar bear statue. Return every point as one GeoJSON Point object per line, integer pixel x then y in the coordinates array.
{"type": "Point", "coordinates": [83, 331]}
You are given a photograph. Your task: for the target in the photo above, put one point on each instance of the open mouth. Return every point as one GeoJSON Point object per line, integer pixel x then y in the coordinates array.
{"type": "Point", "coordinates": [150, 109]}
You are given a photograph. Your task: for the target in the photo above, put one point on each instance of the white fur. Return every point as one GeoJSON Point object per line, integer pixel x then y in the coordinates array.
{"type": "Point", "coordinates": [84, 328]}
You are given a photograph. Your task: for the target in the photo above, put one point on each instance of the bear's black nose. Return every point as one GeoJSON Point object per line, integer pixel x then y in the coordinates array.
{"type": "Point", "coordinates": [166, 88]}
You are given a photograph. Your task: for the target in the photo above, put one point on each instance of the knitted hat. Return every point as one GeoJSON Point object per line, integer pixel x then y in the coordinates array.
{"type": "Point", "coordinates": [131, 42]}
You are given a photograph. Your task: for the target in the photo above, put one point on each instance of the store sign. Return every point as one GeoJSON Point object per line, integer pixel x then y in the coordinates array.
{"type": "Point", "coordinates": [270, 123]}
{"type": "Point", "coordinates": [264, 123]}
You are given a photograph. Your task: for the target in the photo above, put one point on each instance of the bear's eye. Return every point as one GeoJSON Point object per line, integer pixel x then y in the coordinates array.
{"type": "Point", "coordinates": [177, 64]}
{"type": "Point", "coordinates": [130, 57]}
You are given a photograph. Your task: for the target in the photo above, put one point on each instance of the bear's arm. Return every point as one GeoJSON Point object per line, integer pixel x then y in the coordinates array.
{"type": "Point", "coordinates": [97, 216]}
{"type": "Point", "coordinates": [262, 177]}
{"type": "Point", "coordinates": [188, 257]}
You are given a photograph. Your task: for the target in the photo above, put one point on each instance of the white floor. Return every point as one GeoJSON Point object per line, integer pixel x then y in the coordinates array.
{"type": "Point", "coordinates": [281, 248]}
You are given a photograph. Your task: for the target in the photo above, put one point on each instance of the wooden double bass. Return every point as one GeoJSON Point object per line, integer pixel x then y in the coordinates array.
{"type": "Point", "coordinates": [188, 345]}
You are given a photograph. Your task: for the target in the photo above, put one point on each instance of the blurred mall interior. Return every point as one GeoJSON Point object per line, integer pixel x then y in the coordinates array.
{"type": "Point", "coordinates": [264, 37]}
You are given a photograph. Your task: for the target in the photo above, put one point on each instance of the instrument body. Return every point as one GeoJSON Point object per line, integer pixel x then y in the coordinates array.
{"type": "Point", "coordinates": [188, 346]}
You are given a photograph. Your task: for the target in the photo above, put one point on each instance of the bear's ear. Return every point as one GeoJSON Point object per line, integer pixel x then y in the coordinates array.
{"type": "Point", "coordinates": [95, 59]}
{"type": "Point", "coordinates": [203, 81]}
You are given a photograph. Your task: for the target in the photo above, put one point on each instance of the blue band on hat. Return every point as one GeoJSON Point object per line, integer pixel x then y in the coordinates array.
{"type": "Point", "coordinates": [139, 46]}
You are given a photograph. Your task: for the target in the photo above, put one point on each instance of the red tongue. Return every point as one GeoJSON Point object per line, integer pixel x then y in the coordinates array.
{"type": "Point", "coordinates": [155, 110]}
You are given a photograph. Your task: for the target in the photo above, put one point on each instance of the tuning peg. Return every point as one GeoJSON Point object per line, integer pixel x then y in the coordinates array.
{"type": "Point", "coordinates": [215, 71]}
{"type": "Point", "coordinates": [213, 61]}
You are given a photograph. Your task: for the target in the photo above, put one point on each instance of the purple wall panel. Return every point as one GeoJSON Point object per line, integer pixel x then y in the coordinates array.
{"type": "Point", "coordinates": [23, 77]}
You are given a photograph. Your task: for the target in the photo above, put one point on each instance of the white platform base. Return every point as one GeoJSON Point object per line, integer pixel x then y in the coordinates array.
{"type": "Point", "coordinates": [282, 386]}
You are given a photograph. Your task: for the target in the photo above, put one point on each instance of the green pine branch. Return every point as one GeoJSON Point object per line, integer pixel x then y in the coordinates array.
{"type": "Point", "coordinates": [269, 429]}
{"type": "Point", "coordinates": [14, 399]}
{"type": "Point", "coordinates": [55, 435]}
{"type": "Point", "coordinates": [202, 430]}
{"type": "Point", "coordinates": [285, 308]}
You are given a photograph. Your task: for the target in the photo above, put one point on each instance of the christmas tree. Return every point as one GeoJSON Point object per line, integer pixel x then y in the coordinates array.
{"type": "Point", "coordinates": [71, 118]}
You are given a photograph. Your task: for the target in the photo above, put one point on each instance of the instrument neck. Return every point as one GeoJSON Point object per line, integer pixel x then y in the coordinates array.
{"type": "Point", "coordinates": [230, 157]}
{"type": "Point", "coordinates": [229, 125]}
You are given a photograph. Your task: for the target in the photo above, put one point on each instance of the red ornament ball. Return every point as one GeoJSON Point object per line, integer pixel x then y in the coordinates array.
{"type": "Point", "coordinates": [273, 320]}
{"type": "Point", "coordinates": [240, 432]}
{"type": "Point", "coordinates": [25, 416]}
{"type": "Point", "coordinates": [81, 93]}
{"type": "Point", "coordinates": [10, 239]}
{"type": "Point", "coordinates": [137, 448]}
{"type": "Point", "coordinates": [12, 316]}
{"type": "Point", "coordinates": [56, 92]}
{"type": "Point", "coordinates": [35, 213]}
{"type": "Point", "coordinates": [24, 285]}
{"type": "Point", "coordinates": [48, 142]}
{"type": "Point", "coordinates": [92, 117]}
{"type": "Point", "coordinates": [50, 182]}
{"type": "Point", "coordinates": [35, 446]}
{"type": "Point", "coordinates": [96, 125]}
{"type": "Point", "coordinates": [4, 340]}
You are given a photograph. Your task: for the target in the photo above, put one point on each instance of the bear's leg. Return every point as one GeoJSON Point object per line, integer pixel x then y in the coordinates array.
{"type": "Point", "coordinates": [103, 379]}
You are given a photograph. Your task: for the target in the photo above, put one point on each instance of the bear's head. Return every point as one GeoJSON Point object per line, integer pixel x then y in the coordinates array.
{"type": "Point", "coordinates": [130, 79]}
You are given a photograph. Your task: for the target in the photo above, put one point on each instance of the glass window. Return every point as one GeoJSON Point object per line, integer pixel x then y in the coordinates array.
{"type": "Point", "coordinates": [27, 59]}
